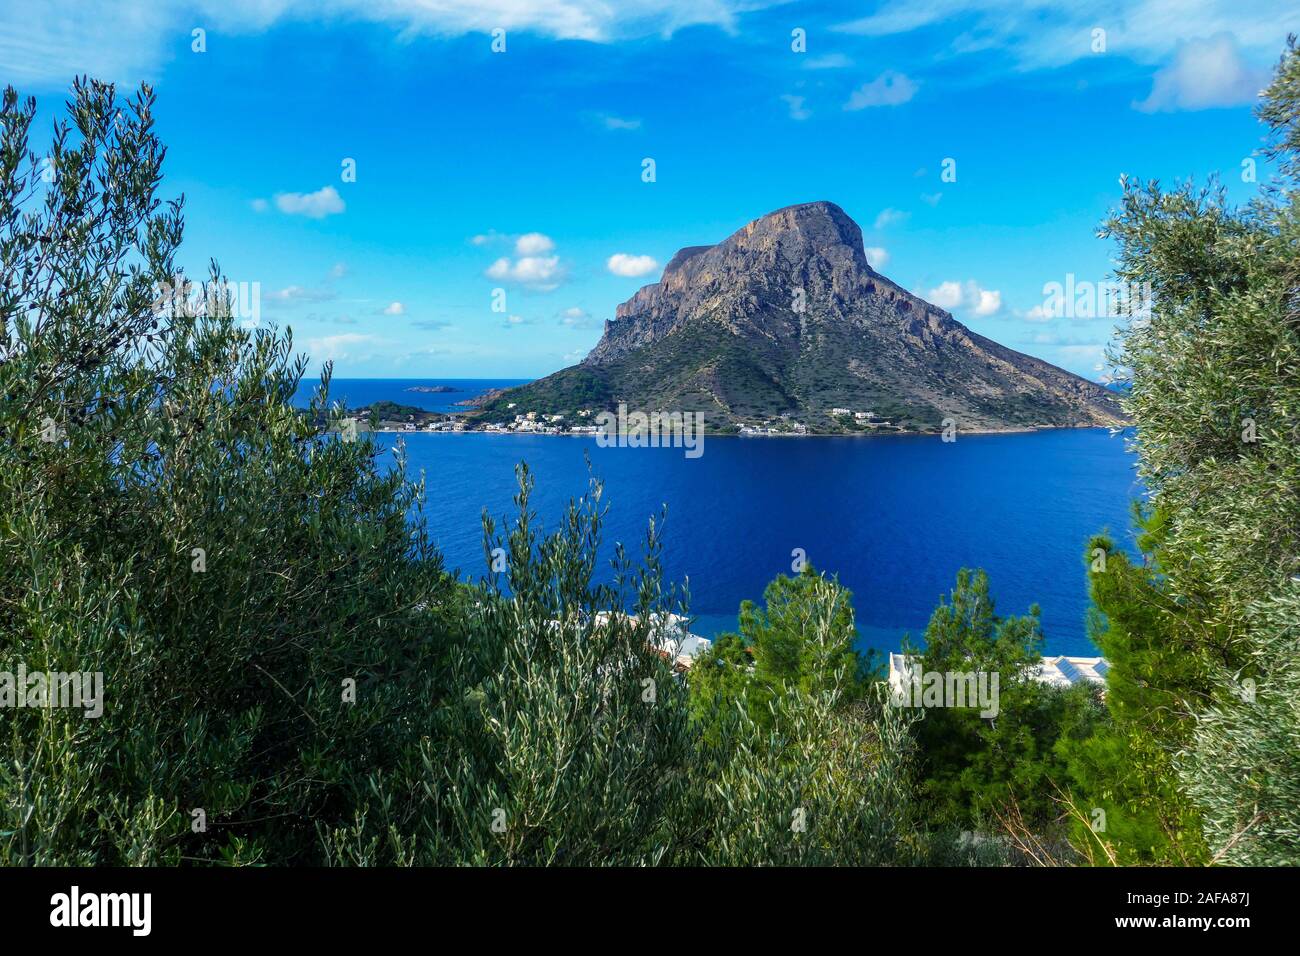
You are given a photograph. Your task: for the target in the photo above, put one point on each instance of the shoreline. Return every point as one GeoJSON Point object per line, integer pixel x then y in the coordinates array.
{"type": "Point", "coordinates": [892, 434]}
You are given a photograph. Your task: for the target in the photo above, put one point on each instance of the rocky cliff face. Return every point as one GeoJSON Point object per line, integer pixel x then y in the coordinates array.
{"type": "Point", "coordinates": [786, 316]}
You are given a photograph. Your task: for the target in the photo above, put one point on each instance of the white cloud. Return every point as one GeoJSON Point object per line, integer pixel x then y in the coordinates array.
{"type": "Point", "coordinates": [1045, 34]}
{"type": "Point", "coordinates": [877, 257]}
{"type": "Point", "coordinates": [260, 205]}
{"type": "Point", "coordinates": [534, 244]}
{"type": "Point", "coordinates": [1204, 74]}
{"type": "Point", "coordinates": [987, 302]}
{"type": "Point", "coordinates": [528, 244]}
{"type": "Point", "coordinates": [323, 202]}
{"type": "Point", "coordinates": [890, 217]}
{"type": "Point", "coordinates": [629, 266]}
{"type": "Point", "coordinates": [795, 103]}
{"type": "Point", "coordinates": [47, 43]}
{"type": "Point", "coordinates": [969, 295]}
{"type": "Point", "coordinates": [947, 295]}
{"type": "Point", "coordinates": [542, 273]}
{"type": "Point", "coordinates": [931, 199]}
{"type": "Point", "coordinates": [888, 89]}
{"type": "Point", "coordinates": [394, 308]}
{"type": "Point", "coordinates": [296, 293]}
{"type": "Point", "coordinates": [338, 270]}
{"type": "Point", "coordinates": [533, 266]}
{"type": "Point", "coordinates": [537, 270]}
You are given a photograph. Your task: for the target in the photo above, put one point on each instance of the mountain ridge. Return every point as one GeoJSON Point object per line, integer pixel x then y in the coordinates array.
{"type": "Point", "coordinates": [786, 317]}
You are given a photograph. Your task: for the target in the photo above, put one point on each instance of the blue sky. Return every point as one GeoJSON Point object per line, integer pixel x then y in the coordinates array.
{"type": "Point", "coordinates": [522, 170]}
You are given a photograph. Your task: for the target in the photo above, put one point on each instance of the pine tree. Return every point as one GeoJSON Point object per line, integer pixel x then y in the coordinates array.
{"type": "Point", "coordinates": [804, 761]}
{"type": "Point", "coordinates": [1129, 808]}
{"type": "Point", "coordinates": [978, 772]}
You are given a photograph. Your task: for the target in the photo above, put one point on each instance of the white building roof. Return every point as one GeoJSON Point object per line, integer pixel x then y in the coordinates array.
{"type": "Point", "coordinates": [1058, 671]}
{"type": "Point", "coordinates": [1065, 671]}
{"type": "Point", "coordinates": [670, 638]}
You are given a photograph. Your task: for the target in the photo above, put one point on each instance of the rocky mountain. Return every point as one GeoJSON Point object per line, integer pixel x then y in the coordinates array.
{"type": "Point", "coordinates": [787, 318]}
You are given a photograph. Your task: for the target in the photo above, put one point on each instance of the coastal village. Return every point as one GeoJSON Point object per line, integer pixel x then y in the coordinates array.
{"type": "Point", "coordinates": [391, 417]}
{"type": "Point", "coordinates": [853, 420]}
{"type": "Point", "coordinates": [528, 423]}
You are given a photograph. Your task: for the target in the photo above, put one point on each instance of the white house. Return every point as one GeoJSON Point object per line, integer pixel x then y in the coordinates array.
{"type": "Point", "coordinates": [1060, 671]}
{"type": "Point", "coordinates": [1064, 671]}
{"type": "Point", "coordinates": [671, 639]}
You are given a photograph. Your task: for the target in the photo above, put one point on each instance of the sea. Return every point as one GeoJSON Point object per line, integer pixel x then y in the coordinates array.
{"type": "Point", "coordinates": [893, 518]}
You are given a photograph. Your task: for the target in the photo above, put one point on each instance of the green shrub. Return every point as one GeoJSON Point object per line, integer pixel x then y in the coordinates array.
{"type": "Point", "coordinates": [1215, 395]}
{"type": "Point", "coordinates": [169, 520]}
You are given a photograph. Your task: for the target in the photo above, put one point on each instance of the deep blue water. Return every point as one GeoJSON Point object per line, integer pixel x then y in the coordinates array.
{"type": "Point", "coordinates": [893, 517]}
